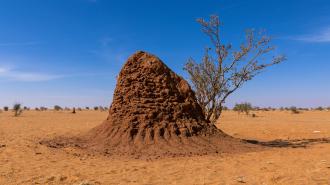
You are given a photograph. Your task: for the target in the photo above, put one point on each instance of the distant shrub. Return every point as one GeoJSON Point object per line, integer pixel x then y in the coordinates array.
{"type": "Point", "coordinates": [37, 109]}
{"type": "Point", "coordinates": [256, 108]}
{"type": "Point", "coordinates": [79, 109]}
{"type": "Point", "coordinates": [67, 109]}
{"type": "Point", "coordinates": [243, 107]}
{"type": "Point", "coordinates": [87, 108]}
{"type": "Point", "coordinates": [101, 108]}
{"type": "Point", "coordinates": [265, 109]}
{"type": "Point", "coordinates": [43, 108]}
{"type": "Point", "coordinates": [303, 109]}
{"type": "Point", "coordinates": [57, 108]}
{"type": "Point", "coordinates": [17, 108]}
{"type": "Point", "coordinates": [96, 108]}
{"type": "Point", "coordinates": [5, 108]}
{"type": "Point", "coordinates": [73, 110]}
{"type": "Point", "coordinates": [319, 108]}
{"type": "Point", "coordinates": [294, 110]}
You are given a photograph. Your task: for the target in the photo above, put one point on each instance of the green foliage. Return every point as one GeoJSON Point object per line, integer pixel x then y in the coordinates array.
{"type": "Point", "coordinates": [17, 108]}
{"type": "Point", "coordinates": [243, 107]}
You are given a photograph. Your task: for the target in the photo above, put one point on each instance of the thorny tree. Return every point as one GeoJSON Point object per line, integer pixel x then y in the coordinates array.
{"type": "Point", "coordinates": [223, 70]}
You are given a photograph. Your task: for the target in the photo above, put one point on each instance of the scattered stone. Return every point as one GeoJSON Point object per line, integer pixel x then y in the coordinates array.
{"type": "Point", "coordinates": [241, 179]}
{"type": "Point", "coordinates": [85, 183]}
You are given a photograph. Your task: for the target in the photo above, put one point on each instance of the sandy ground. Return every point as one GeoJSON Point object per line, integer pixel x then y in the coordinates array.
{"type": "Point", "coordinates": [24, 161]}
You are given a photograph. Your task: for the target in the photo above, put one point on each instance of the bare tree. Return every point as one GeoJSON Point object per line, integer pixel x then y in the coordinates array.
{"type": "Point", "coordinates": [223, 70]}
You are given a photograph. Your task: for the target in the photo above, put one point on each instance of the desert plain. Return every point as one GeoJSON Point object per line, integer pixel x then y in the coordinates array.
{"type": "Point", "coordinates": [24, 161]}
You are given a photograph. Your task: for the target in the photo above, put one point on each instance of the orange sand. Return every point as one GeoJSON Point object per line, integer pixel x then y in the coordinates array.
{"type": "Point", "coordinates": [24, 161]}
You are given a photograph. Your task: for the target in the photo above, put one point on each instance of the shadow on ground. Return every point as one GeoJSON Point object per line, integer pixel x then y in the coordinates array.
{"type": "Point", "coordinates": [296, 143]}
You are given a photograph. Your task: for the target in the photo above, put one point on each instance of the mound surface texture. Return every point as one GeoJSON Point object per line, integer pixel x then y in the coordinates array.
{"type": "Point", "coordinates": [155, 113]}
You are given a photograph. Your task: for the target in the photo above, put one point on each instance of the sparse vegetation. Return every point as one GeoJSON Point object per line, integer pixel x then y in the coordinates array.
{"type": "Point", "coordinates": [17, 108]}
{"type": "Point", "coordinates": [222, 70]}
{"type": "Point", "coordinates": [73, 110]}
{"type": "Point", "coordinates": [243, 107]}
{"type": "Point", "coordinates": [5, 108]}
{"type": "Point", "coordinates": [57, 108]}
{"type": "Point", "coordinates": [96, 108]}
{"type": "Point", "coordinates": [294, 110]}
{"type": "Point", "coordinates": [87, 108]}
{"type": "Point", "coordinates": [319, 108]}
{"type": "Point", "coordinates": [43, 108]}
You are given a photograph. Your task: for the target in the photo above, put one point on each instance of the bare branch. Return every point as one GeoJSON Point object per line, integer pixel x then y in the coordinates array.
{"type": "Point", "coordinates": [215, 79]}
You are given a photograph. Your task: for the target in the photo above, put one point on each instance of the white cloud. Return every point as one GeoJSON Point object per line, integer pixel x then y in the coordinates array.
{"type": "Point", "coordinates": [322, 36]}
{"type": "Point", "coordinates": [14, 75]}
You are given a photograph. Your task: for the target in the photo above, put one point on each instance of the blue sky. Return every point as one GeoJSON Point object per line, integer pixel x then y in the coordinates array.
{"type": "Point", "coordinates": [68, 52]}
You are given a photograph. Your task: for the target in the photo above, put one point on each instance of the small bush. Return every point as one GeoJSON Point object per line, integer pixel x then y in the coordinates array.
{"type": "Point", "coordinates": [5, 108]}
{"type": "Point", "coordinates": [96, 108]}
{"type": "Point", "coordinates": [17, 108]}
{"type": "Point", "coordinates": [87, 108]}
{"type": "Point", "coordinates": [294, 110]}
{"type": "Point", "coordinates": [243, 107]}
{"type": "Point", "coordinates": [43, 108]}
{"type": "Point", "coordinates": [57, 108]}
{"type": "Point", "coordinates": [73, 110]}
{"type": "Point", "coordinates": [319, 108]}
{"type": "Point", "coordinates": [256, 108]}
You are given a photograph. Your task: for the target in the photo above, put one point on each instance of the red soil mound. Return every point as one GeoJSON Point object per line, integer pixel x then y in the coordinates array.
{"type": "Point", "coordinates": [155, 113]}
